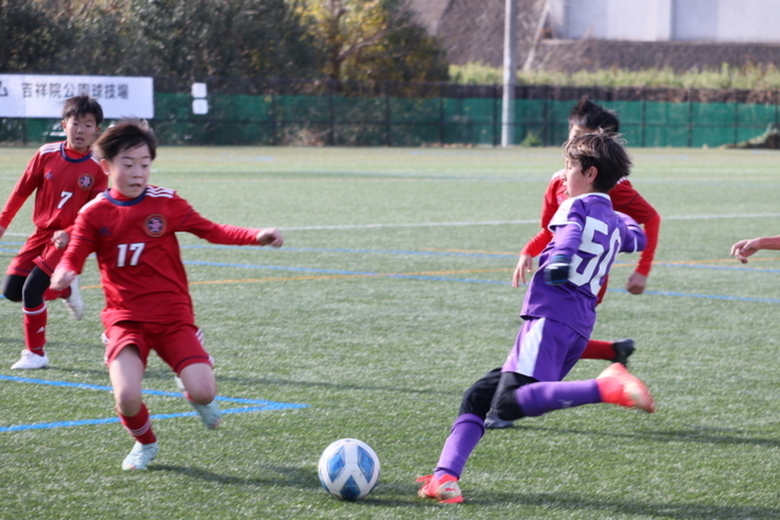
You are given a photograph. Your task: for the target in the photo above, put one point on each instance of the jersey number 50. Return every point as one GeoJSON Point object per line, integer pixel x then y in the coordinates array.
{"type": "Point", "coordinates": [603, 248]}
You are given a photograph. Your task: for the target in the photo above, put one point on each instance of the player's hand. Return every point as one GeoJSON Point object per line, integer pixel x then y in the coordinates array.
{"type": "Point", "coordinates": [2, 231]}
{"type": "Point", "coordinates": [60, 239]}
{"type": "Point", "coordinates": [557, 271]}
{"type": "Point", "coordinates": [525, 264]}
{"type": "Point", "coordinates": [636, 283]}
{"type": "Point", "coordinates": [61, 279]}
{"type": "Point", "coordinates": [744, 248]}
{"type": "Point", "coordinates": [270, 237]}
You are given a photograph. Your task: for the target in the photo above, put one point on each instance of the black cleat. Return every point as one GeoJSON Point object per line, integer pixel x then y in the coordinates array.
{"type": "Point", "coordinates": [492, 422]}
{"type": "Point", "coordinates": [623, 349]}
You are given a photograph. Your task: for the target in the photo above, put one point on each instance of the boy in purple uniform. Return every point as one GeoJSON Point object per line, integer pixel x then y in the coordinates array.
{"type": "Point", "coordinates": [559, 312]}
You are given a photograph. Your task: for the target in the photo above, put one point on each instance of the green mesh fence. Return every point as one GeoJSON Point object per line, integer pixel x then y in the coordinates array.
{"type": "Point", "coordinates": [388, 120]}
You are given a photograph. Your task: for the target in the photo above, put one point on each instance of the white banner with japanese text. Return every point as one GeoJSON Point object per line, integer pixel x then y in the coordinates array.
{"type": "Point", "coordinates": [36, 95]}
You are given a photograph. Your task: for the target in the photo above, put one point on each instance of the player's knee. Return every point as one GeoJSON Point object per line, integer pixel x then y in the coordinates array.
{"type": "Point", "coordinates": [505, 402]}
{"type": "Point", "coordinates": [476, 400]}
{"type": "Point", "coordinates": [202, 394]}
{"type": "Point", "coordinates": [11, 295]}
{"type": "Point", "coordinates": [199, 382]}
{"type": "Point", "coordinates": [128, 402]}
{"type": "Point", "coordinates": [12, 288]}
{"type": "Point", "coordinates": [32, 299]}
{"type": "Point", "coordinates": [506, 406]}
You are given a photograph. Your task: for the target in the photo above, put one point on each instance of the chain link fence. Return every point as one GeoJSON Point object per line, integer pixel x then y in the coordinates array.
{"type": "Point", "coordinates": [250, 111]}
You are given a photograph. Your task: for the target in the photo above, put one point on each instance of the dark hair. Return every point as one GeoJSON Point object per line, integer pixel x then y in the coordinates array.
{"type": "Point", "coordinates": [588, 114]}
{"type": "Point", "coordinates": [126, 134]}
{"type": "Point", "coordinates": [82, 105]}
{"type": "Point", "coordinates": [603, 150]}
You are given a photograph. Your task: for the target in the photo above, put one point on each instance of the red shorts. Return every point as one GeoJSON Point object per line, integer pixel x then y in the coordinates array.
{"type": "Point", "coordinates": [39, 251]}
{"type": "Point", "coordinates": [178, 344]}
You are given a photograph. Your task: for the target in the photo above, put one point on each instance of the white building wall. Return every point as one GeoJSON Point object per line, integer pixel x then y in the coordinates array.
{"type": "Point", "coordinates": [746, 21]}
{"type": "Point", "coordinates": [750, 21]}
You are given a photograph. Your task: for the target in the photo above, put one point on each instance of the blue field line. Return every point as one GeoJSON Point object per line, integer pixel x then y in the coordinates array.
{"type": "Point", "coordinates": [108, 420]}
{"type": "Point", "coordinates": [259, 405]}
{"type": "Point", "coordinates": [471, 255]}
{"type": "Point", "coordinates": [479, 281]}
{"type": "Point", "coordinates": [738, 267]}
{"type": "Point", "coordinates": [706, 296]}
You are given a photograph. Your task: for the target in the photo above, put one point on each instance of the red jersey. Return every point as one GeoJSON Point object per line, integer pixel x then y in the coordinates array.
{"type": "Point", "coordinates": [63, 180]}
{"type": "Point", "coordinates": [624, 199]}
{"type": "Point", "coordinates": [138, 254]}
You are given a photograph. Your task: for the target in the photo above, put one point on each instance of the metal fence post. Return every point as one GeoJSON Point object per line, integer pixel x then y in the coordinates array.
{"type": "Point", "coordinates": [690, 118]}
{"type": "Point", "coordinates": [546, 137]}
{"type": "Point", "coordinates": [736, 117]}
{"type": "Point", "coordinates": [496, 135]}
{"type": "Point", "coordinates": [273, 115]}
{"type": "Point", "coordinates": [441, 115]}
{"type": "Point", "coordinates": [331, 113]}
{"type": "Point", "coordinates": [388, 128]}
{"type": "Point", "coordinates": [777, 110]}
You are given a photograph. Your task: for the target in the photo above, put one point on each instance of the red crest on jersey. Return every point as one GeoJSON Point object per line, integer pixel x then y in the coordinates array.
{"type": "Point", "coordinates": [86, 182]}
{"type": "Point", "coordinates": [155, 225]}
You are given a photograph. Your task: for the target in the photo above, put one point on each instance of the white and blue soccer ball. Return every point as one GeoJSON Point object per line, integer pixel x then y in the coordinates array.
{"type": "Point", "coordinates": [349, 469]}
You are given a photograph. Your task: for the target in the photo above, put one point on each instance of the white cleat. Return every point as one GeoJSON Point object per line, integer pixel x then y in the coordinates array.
{"type": "Point", "coordinates": [31, 361]}
{"type": "Point", "coordinates": [140, 456]}
{"type": "Point", "coordinates": [74, 302]}
{"type": "Point", "coordinates": [209, 413]}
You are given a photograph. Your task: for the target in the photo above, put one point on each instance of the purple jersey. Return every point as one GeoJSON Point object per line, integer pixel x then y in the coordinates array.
{"type": "Point", "coordinates": [588, 231]}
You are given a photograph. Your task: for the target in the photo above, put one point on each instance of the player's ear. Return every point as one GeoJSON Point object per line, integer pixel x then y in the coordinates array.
{"type": "Point", "coordinates": [591, 174]}
{"type": "Point", "coordinates": [105, 164]}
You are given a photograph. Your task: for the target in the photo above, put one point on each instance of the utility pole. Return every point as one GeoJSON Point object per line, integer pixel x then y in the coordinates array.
{"type": "Point", "coordinates": [529, 60]}
{"type": "Point", "coordinates": [510, 74]}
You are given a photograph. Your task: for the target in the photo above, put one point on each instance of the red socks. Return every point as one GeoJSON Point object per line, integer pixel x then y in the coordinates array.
{"type": "Point", "coordinates": [598, 350]}
{"type": "Point", "coordinates": [139, 426]}
{"type": "Point", "coordinates": [51, 294]}
{"type": "Point", "coordinates": [34, 325]}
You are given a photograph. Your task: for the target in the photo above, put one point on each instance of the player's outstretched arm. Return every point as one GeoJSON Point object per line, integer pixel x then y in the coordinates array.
{"type": "Point", "coordinates": [745, 248]}
{"type": "Point", "coordinates": [270, 237]}
{"type": "Point", "coordinates": [61, 278]}
{"type": "Point", "coordinates": [525, 264]}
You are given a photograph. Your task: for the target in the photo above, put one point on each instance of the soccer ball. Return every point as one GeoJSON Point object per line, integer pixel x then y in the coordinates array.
{"type": "Point", "coordinates": [349, 469]}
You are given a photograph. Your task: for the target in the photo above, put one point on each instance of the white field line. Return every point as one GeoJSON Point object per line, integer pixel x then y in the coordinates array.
{"type": "Point", "coordinates": [480, 223]}
{"type": "Point", "coordinates": [507, 222]}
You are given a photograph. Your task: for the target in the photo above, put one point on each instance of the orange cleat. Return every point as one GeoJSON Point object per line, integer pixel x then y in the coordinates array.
{"type": "Point", "coordinates": [446, 489]}
{"type": "Point", "coordinates": [618, 386]}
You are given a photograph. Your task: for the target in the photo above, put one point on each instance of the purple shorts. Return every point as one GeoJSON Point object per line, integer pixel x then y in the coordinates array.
{"type": "Point", "coordinates": [545, 350]}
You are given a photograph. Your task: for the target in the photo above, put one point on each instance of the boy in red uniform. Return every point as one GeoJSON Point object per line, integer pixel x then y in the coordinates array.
{"type": "Point", "coordinates": [132, 229]}
{"type": "Point", "coordinates": [64, 176]}
{"type": "Point", "coordinates": [587, 117]}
